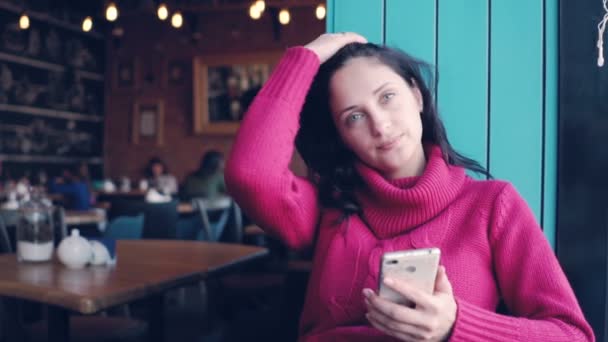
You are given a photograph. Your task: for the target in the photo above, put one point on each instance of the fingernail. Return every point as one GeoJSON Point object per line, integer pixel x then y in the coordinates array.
{"type": "Point", "coordinates": [367, 292]}
{"type": "Point", "coordinates": [389, 281]}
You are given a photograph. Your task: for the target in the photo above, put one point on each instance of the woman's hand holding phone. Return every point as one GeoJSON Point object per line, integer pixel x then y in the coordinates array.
{"type": "Point", "coordinates": [431, 319]}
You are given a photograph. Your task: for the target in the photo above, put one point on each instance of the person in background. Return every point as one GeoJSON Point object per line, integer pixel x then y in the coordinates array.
{"type": "Point", "coordinates": [208, 180]}
{"type": "Point", "coordinates": [75, 189]}
{"type": "Point", "coordinates": [159, 177]}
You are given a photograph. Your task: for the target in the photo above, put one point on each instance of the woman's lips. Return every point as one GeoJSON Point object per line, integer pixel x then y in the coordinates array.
{"type": "Point", "coordinates": [389, 144]}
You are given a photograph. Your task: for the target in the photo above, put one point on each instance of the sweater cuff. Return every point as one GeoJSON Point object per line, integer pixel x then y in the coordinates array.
{"type": "Point", "coordinates": [298, 63]}
{"type": "Point", "coordinates": [477, 324]}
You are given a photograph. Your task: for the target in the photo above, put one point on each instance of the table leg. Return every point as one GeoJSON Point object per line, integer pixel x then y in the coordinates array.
{"type": "Point", "coordinates": [11, 316]}
{"type": "Point", "coordinates": [156, 317]}
{"type": "Point", "coordinates": [58, 321]}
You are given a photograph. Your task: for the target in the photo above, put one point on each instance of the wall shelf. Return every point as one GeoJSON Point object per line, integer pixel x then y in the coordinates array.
{"type": "Point", "coordinates": [6, 57]}
{"type": "Point", "coordinates": [52, 113]}
{"type": "Point", "coordinates": [49, 159]}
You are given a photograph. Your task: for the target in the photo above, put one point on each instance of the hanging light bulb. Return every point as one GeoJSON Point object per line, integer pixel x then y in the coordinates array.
{"type": "Point", "coordinates": [284, 16]}
{"type": "Point", "coordinates": [112, 12]}
{"type": "Point", "coordinates": [177, 20]}
{"type": "Point", "coordinates": [24, 21]}
{"type": "Point", "coordinates": [87, 24]}
{"type": "Point", "coordinates": [260, 5]}
{"type": "Point", "coordinates": [162, 11]}
{"type": "Point", "coordinates": [321, 12]}
{"type": "Point", "coordinates": [254, 12]}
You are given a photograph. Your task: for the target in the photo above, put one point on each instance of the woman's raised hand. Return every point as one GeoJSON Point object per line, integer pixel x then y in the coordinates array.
{"type": "Point", "coordinates": [327, 44]}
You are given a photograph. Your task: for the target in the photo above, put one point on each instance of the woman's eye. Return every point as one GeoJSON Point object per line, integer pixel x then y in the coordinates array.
{"type": "Point", "coordinates": [354, 117]}
{"type": "Point", "coordinates": [386, 97]}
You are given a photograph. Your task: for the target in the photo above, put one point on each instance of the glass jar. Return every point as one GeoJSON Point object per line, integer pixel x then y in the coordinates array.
{"type": "Point", "coordinates": [35, 229]}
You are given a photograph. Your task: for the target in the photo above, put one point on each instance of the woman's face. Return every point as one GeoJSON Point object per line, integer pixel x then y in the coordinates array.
{"type": "Point", "coordinates": [157, 169]}
{"type": "Point", "coordinates": [378, 117]}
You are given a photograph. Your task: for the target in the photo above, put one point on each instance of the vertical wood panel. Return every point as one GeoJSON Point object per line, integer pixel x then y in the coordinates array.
{"type": "Point", "coordinates": [410, 26]}
{"type": "Point", "coordinates": [361, 16]}
{"type": "Point", "coordinates": [516, 96]}
{"type": "Point", "coordinates": [551, 121]}
{"type": "Point", "coordinates": [463, 75]}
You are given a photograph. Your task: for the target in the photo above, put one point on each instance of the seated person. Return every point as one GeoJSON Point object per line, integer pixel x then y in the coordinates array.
{"type": "Point", "coordinates": [159, 177]}
{"type": "Point", "coordinates": [208, 180]}
{"type": "Point", "coordinates": [74, 189]}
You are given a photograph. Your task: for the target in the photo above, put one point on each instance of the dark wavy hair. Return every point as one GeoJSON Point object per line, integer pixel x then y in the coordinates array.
{"type": "Point", "coordinates": [330, 162]}
{"type": "Point", "coordinates": [210, 163]}
{"type": "Point", "coordinates": [153, 161]}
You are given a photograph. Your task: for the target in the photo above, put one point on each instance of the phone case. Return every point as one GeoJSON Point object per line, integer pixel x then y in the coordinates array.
{"type": "Point", "coordinates": [417, 267]}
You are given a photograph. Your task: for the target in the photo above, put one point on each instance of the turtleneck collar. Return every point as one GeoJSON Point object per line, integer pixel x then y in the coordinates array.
{"type": "Point", "coordinates": [392, 207]}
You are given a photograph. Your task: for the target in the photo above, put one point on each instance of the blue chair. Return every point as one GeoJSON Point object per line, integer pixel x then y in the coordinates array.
{"type": "Point", "coordinates": [219, 224]}
{"type": "Point", "coordinates": [160, 219]}
{"type": "Point", "coordinates": [125, 228]}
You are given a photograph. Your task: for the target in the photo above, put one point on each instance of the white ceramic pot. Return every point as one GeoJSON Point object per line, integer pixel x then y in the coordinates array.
{"type": "Point", "coordinates": [74, 251]}
{"type": "Point", "coordinates": [100, 255]}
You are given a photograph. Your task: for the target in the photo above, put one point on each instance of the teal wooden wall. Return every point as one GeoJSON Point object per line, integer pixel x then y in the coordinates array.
{"type": "Point", "coordinates": [497, 85]}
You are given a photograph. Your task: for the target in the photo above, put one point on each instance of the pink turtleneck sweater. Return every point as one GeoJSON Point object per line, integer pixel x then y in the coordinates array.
{"type": "Point", "coordinates": [492, 247]}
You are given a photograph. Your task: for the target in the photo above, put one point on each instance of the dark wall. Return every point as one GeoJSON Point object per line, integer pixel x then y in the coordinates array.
{"type": "Point", "coordinates": [153, 45]}
{"type": "Point", "coordinates": [583, 159]}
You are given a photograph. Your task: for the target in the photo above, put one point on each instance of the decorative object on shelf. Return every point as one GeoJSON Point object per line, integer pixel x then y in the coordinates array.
{"type": "Point", "coordinates": [47, 137]}
{"type": "Point", "coordinates": [74, 251]}
{"type": "Point", "coordinates": [148, 121]}
{"type": "Point", "coordinates": [224, 86]}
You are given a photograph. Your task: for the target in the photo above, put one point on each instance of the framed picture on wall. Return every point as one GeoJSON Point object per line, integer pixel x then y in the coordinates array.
{"type": "Point", "coordinates": [176, 72]}
{"type": "Point", "coordinates": [125, 74]}
{"type": "Point", "coordinates": [224, 86]}
{"type": "Point", "coordinates": [147, 125]}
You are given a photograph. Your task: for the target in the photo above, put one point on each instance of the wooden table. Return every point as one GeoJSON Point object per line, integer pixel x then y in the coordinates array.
{"type": "Point", "coordinates": [210, 204]}
{"type": "Point", "coordinates": [72, 217]}
{"type": "Point", "coordinates": [77, 217]}
{"type": "Point", "coordinates": [144, 269]}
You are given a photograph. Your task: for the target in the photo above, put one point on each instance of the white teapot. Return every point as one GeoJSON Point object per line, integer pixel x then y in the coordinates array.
{"type": "Point", "coordinates": [100, 254]}
{"type": "Point", "coordinates": [74, 251]}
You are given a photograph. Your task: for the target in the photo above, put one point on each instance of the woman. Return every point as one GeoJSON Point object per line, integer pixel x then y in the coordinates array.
{"type": "Point", "coordinates": [159, 177]}
{"type": "Point", "coordinates": [208, 180]}
{"type": "Point", "coordinates": [384, 178]}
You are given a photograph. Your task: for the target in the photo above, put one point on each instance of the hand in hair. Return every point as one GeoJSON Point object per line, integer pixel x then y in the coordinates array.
{"type": "Point", "coordinates": [327, 44]}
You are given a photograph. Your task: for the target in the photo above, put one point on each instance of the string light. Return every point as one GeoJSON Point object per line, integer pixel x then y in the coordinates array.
{"type": "Point", "coordinates": [284, 17]}
{"type": "Point", "coordinates": [24, 21]}
{"type": "Point", "coordinates": [177, 20]}
{"type": "Point", "coordinates": [254, 12]}
{"type": "Point", "coordinates": [112, 12]}
{"type": "Point", "coordinates": [260, 5]}
{"type": "Point", "coordinates": [87, 24]}
{"type": "Point", "coordinates": [162, 11]}
{"type": "Point", "coordinates": [321, 12]}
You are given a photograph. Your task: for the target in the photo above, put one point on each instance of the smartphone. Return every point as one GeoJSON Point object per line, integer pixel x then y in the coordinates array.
{"type": "Point", "coordinates": [417, 267]}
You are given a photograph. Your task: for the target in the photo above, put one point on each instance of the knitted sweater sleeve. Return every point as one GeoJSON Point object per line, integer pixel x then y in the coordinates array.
{"type": "Point", "coordinates": [533, 286]}
{"type": "Point", "coordinates": [257, 171]}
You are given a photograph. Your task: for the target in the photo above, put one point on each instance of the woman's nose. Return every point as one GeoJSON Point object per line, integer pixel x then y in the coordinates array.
{"type": "Point", "coordinates": [380, 123]}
